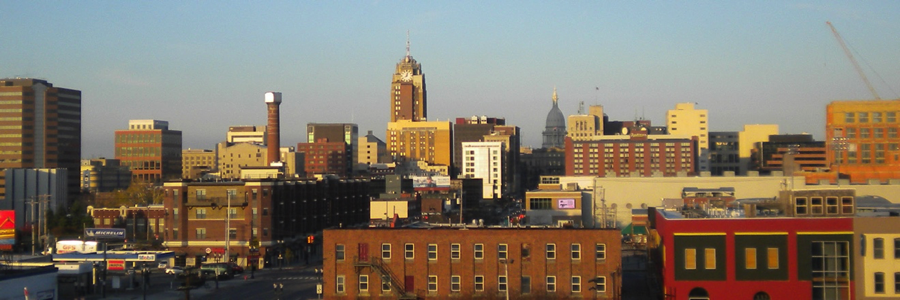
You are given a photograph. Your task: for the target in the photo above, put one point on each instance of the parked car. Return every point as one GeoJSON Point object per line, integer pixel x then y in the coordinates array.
{"type": "Point", "coordinates": [174, 270]}
{"type": "Point", "coordinates": [236, 269]}
{"type": "Point", "coordinates": [209, 274]}
{"type": "Point", "coordinates": [162, 265]}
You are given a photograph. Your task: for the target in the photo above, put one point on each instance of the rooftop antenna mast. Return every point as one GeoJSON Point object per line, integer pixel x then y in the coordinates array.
{"type": "Point", "coordinates": [407, 42]}
{"type": "Point", "coordinates": [581, 108]}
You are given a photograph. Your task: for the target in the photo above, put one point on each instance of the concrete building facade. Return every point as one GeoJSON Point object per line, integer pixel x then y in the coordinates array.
{"type": "Point", "coordinates": [324, 157]}
{"type": "Point", "coordinates": [197, 162]}
{"type": "Point", "coordinates": [862, 140]}
{"type": "Point", "coordinates": [372, 150]}
{"type": "Point", "coordinates": [347, 133]}
{"type": "Point", "coordinates": [686, 120]}
{"type": "Point", "coordinates": [232, 157]}
{"type": "Point", "coordinates": [104, 175]}
{"type": "Point", "coordinates": [427, 141]}
{"type": "Point", "coordinates": [247, 134]}
{"type": "Point", "coordinates": [485, 160]}
{"type": "Point", "coordinates": [634, 155]}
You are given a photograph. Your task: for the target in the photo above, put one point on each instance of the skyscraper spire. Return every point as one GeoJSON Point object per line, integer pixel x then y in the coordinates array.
{"type": "Point", "coordinates": [555, 98]}
{"type": "Point", "coordinates": [407, 42]}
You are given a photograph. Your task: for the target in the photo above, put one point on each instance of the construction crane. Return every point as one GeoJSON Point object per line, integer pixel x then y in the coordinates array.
{"type": "Point", "coordinates": [853, 60]}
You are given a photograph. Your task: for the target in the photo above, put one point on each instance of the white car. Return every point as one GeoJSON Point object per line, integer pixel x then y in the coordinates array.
{"type": "Point", "coordinates": [162, 265]}
{"type": "Point", "coordinates": [174, 270]}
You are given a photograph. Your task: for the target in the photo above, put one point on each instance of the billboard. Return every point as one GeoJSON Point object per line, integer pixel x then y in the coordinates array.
{"type": "Point", "coordinates": [105, 233]}
{"type": "Point", "coordinates": [565, 203]}
{"type": "Point", "coordinates": [431, 182]}
{"type": "Point", "coordinates": [7, 229]}
{"type": "Point", "coordinates": [115, 264]}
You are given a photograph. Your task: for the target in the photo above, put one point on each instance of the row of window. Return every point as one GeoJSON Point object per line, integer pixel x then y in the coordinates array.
{"type": "Point", "coordinates": [878, 283]}
{"type": "Point", "coordinates": [750, 259]}
{"type": "Point", "coordinates": [456, 284]}
{"type": "Point", "coordinates": [878, 248]}
{"type": "Point", "coordinates": [876, 117]}
{"type": "Point", "coordinates": [478, 251]}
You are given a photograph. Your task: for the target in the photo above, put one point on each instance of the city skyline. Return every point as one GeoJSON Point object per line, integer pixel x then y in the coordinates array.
{"type": "Point", "coordinates": [746, 63]}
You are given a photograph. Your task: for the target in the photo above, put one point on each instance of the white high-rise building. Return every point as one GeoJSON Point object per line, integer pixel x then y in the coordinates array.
{"type": "Point", "coordinates": [485, 160]}
{"type": "Point", "coordinates": [685, 120]}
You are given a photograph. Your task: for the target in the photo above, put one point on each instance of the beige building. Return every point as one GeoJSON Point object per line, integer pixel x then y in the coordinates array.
{"type": "Point", "coordinates": [686, 120]}
{"type": "Point", "coordinates": [234, 156]}
{"type": "Point", "coordinates": [749, 137]}
{"type": "Point", "coordinates": [877, 257]}
{"type": "Point", "coordinates": [583, 127]}
{"type": "Point", "coordinates": [428, 141]}
{"type": "Point", "coordinates": [246, 134]}
{"type": "Point", "coordinates": [196, 162]}
{"type": "Point", "coordinates": [372, 150]}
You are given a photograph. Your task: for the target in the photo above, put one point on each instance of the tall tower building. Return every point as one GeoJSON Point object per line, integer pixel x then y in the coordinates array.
{"type": "Point", "coordinates": [40, 127]}
{"type": "Point", "coordinates": [408, 98]}
{"type": "Point", "coordinates": [150, 149]}
{"type": "Point", "coordinates": [555, 130]}
{"type": "Point", "coordinates": [686, 120]}
{"type": "Point", "coordinates": [273, 101]}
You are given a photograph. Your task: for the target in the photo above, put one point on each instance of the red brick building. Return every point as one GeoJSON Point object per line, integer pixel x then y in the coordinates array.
{"type": "Point", "coordinates": [444, 262]}
{"type": "Point", "coordinates": [324, 157]}
{"type": "Point", "coordinates": [141, 223]}
{"type": "Point", "coordinates": [637, 152]}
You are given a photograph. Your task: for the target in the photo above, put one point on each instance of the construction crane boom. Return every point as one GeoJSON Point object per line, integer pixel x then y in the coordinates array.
{"type": "Point", "coordinates": [853, 61]}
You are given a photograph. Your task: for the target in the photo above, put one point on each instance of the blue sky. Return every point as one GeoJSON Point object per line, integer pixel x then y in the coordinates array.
{"type": "Point", "coordinates": [204, 65]}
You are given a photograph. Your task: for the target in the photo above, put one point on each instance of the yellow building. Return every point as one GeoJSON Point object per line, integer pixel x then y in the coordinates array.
{"type": "Point", "coordinates": [584, 127]}
{"type": "Point", "coordinates": [862, 139]}
{"type": "Point", "coordinates": [428, 141]}
{"type": "Point", "coordinates": [686, 120]}
{"type": "Point", "coordinates": [196, 162]}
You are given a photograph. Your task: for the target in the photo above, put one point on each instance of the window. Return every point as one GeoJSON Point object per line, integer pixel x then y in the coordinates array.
{"type": "Point", "coordinates": [232, 233]}
{"type": "Point", "coordinates": [551, 283]}
{"type": "Point", "coordinates": [576, 251]}
{"type": "Point", "coordinates": [710, 254]}
{"type": "Point", "coordinates": [849, 117]}
{"type": "Point", "coordinates": [432, 283]}
{"type": "Point", "coordinates": [863, 117]}
{"type": "Point", "coordinates": [690, 259]}
{"type": "Point", "coordinates": [896, 248]}
{"type": "Point", "coordinates": [878, 248]}
{"type": "Point", "coordinates": [501, 283]}
{"type": "Point", "coordinates": [502, 251]}
{"type": "Point", "coordinates": [232, 213]}
{"type": "Point", "coordinates": [830, 265]}
{"type": "Point", "coordinates": [750, 258]}
{"type": "Point", "coordinates": [201, 213]}
{"type": "Point", "coordinates": [454, 283]}
{"type": "Point", "coordinates": [409, 251]}
{"type": "Point", "coordinates": [600, 251]}
{"type": "Point", "coordinates": [896, 283]}
{"type": "Point", "coordinates": [201, 194]}
{"type": "Point", "coordinates": [479, 251]}
{"type": "Point", "coordinates": [479, 283]}
{"type": "Point", "coordinates": [201, 233]}
{"type": "Point", "coordinates": [385, 283]}
{"type": "Point", "coordinates": [385, 251]}
{"type": "Point", "coordinates": [454, 251]}
{"type": "Point", "coordinates": [363, 283]}
{"type": "Point", "coordinates": [876, 117]}
{"type": "Point", "coordinates": [551, 251]}
{"type": "Point", "coordinates": [339, 284]}
{"type": "Point", "coordinates": [175, 233]}
{"type": "Point", "coordinates": [432, 251]}
{"type": "Point", "coordinates": [879, 283]}
{"type": "Point", "coordinates": [600, 284]}
{"type": "Point", "coordinates": [576, 284]}
{"type": "Point", "coordinates": [772, 258]}
{"type": "Point", "coordinates": [339, 252]}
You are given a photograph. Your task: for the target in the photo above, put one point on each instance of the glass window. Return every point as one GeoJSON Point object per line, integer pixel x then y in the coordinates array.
{"type": "Point", "coordinates": [501, 283]}
{"type": "Point", "coordinates": [339, 284]}
{"type": "Point", "coordinates": [454, 283]}
{"type": "Point", "coordinates": [600, 284]}
{"type": "Point", "coordinates": [851, 133]}
{"type": "Point", "coordinates": [432, 283]}
{"type": "Point", "coordinates": [892, 132]}
{"type": "Point", "coordinates": [385, 251]}
{"type": "Point", "coordinates": [896, 248]}
{"type": "Point", "coordinates": [576, 251]}
{"type": "Point", "coordinates": [526, 284]}
{"type": "Point", "coordinates": [454, 251]}
{"type": "Point", "coordinates": [690, 259]}
{"type": "Point", "coordinates": [879, 133]}
{"type": "Point", "coordinates": [772, 258]}
{"type": "Point", "coordinates": [849, 117]}
{"type": "Point", "coordinates": [879, 283]}
{"type": "Point", "coordinates": [750, 258]}
{"type": "Point", "coordinates": [551, 283]}
{"type": "Point", "coordinates": [363, 283]}
{"type": "Point", "coordinates": [385, 283]}
{"type": "Point", "coordinates": [432, 252]}
{"type": "Point", "coordinates": [576, 284]}
{"type": "Point", "coordinates": [479, 283]}
{"type": "Point", "coordinates": [710, 254]}
{"type": "Point", "coordinates": [878, 248]}
{"type": "Point", "coordinates": [600, 251]}
{"type": "Point", "coordinates": [551, 251]}
{"type": "Point", "coordinates": [479, 251]}
{"type": "Point", "coordinates": [896, 283]}
{"type": "Point", "coordinates": [409, 250]}
{"type": "Point", "coordinates": [201, 233]}
{"type": "Point", "coordinates": [876, 117]}
{"type": "Point", "coordinates": [863, 117]}
{"type": "Point", "coordinates": [864, 133]}
{"type": "Point", "coordinates": [502, 251]}
{"type": "Point", "coordinates": [339, 252]}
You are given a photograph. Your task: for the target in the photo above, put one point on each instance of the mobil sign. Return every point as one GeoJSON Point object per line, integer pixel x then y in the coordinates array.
{"type": "Point", "coordinates": [7, 229]}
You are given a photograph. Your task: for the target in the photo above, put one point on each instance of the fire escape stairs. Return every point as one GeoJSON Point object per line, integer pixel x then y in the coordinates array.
{"type": "Point", "coordinates": [385, 272]}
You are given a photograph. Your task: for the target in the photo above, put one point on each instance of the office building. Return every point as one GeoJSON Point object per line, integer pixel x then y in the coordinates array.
{"type": "Point", "coordinates": [198, 162]}
{"type": "Point", "coordinates": [472, 129]}
{"type": "Point", "coordinates": [862, 140]}
{"type": "Point", "coordinates": [233, 157]}
{"type": "Point", "coordinates": [150, 150]}
{"type": "Point", "coordinates": [346, 133]}
{"type": "Point", "coordinates": [372, 150]}
{"type": "Point", "coordinates": [247, 134]}
{"type": "Point", "coordinates": [104, 175]}
{"type": "Point", "coordinates": [686, 120]}
{"type": "Point", "coordinates": [486, 263]}
{"type": "Point", "coordinates": [485, 160]}
{"type": "Point", "coordinates": [325, 157]}
{"type": "Point", "coordinates": [429, 142]}
{"type": "Point", "coordinates": [585, 126]}
{"type": "Point", "coordinates": [40, 127]}
{"type": "Point", "coordinates": [791, 153]}
{"type": "Point", "coordinates": [634, 155]}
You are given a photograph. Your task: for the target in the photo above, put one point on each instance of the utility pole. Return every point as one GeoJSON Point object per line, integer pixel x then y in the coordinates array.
{"type": "Point", "coordinates": [32, 225]}
{"type": "Point", "coordinates": [228, 228]}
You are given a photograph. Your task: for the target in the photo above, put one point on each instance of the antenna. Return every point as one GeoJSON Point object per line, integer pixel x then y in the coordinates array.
{"type": "Point", "coordinates": [581, 108]}
{"type": "Point", "coordinates": [407, 42]}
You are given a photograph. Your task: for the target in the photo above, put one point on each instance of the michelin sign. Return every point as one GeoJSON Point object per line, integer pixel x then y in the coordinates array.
{"type": "Point", "coordinates": [105, 233]}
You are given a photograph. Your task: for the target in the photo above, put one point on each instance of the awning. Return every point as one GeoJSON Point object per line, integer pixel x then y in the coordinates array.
{"type": "Point", "coordinates": [631, 229]}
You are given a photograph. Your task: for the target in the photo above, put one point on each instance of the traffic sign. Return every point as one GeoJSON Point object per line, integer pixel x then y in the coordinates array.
{"type": "Point", "coordinates": [105, 233]}
{"type": "Point", "coordinates": [208, 250]}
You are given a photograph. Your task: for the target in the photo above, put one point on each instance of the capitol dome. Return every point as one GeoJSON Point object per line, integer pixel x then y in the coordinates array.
{"type": "Point", "coordinates": [555, 130]}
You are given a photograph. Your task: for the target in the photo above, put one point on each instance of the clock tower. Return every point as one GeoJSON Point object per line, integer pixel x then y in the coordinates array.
{"type": "Point", "coordinates": [408, 90]}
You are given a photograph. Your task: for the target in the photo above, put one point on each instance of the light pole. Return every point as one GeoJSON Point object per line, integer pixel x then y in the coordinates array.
{"type": "Point", "coordinates": [228, 228]}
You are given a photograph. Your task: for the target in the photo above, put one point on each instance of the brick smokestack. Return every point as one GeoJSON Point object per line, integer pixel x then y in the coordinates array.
{"type": "Point", "coordinates": [273, 100]}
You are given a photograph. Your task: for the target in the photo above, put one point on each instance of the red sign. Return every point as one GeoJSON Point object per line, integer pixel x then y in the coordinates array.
{"type": "Point", "coordinates": [7, 229]}
{"type": "Point", "coordinates": [218, 250]}
{"type": "Point", "coordinates": [115, 265]}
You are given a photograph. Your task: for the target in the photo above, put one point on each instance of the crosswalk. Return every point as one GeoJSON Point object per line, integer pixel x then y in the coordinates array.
{"type": "Point", "coordinates": [299, 278]}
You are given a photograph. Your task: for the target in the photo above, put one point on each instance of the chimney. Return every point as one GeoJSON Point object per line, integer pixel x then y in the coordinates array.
{"type": "Point", "coordinates": [273, 100]}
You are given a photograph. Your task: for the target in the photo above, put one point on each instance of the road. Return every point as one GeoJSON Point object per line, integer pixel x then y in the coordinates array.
{"type": "Point", "coordinates": [297, 284]}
